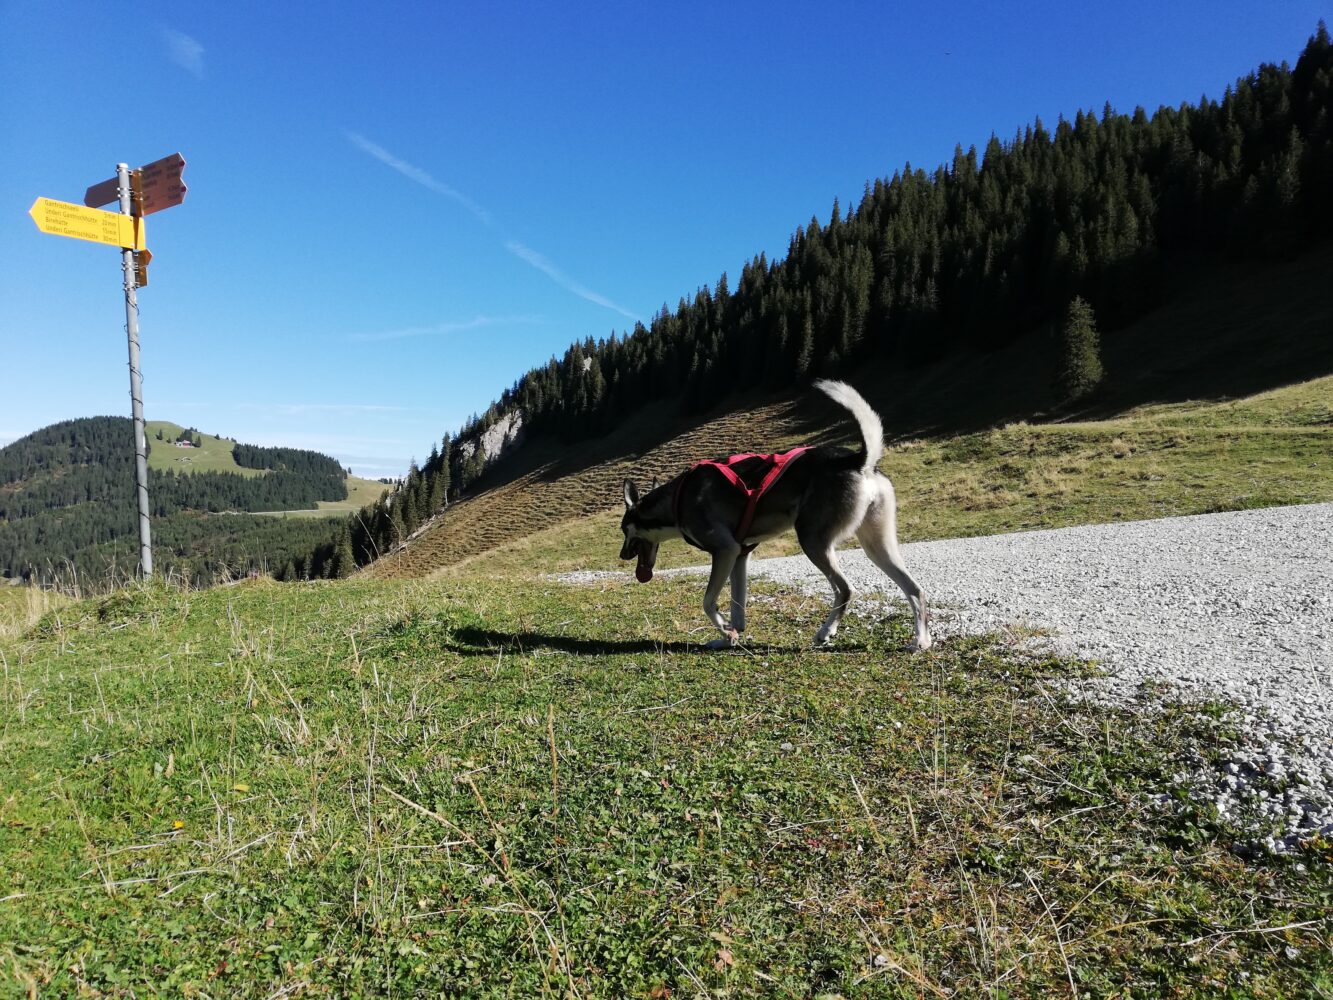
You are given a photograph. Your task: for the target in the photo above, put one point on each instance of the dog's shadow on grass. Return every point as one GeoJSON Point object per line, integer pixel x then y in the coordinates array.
{"type": "Point", "coordinates": [473, 641]}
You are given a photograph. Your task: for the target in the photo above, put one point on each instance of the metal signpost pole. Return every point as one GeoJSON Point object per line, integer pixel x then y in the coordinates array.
{"type": "Point", "coordinates": [136, 379]}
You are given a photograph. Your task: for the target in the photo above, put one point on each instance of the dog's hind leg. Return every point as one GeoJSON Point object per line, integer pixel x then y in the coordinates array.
{"type": "Point", "coordinates": [878, 535]}
{"type": "Point", "coordinates": [723, 563]}
{"type": "Point", "coordinates": [739, 591]}
{"type": "Point", "coordinates": [821, 552]}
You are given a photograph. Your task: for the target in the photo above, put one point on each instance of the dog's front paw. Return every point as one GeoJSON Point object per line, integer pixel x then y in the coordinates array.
{"type": "Point", "coordinates": [823, 640]}
{"type": "Point", "coordinates": [730, 641]}
{"type": "Point", "coordinates": [921, 645]}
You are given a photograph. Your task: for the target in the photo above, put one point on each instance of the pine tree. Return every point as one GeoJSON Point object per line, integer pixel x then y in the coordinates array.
{"type": "Point", "coordinates": [805, 349]}
{"type": "Point", "coordinates": [1080, 353]}
{"type": "Point", "coordinates": [434, 494]}
{"type": "Point", "coordinates": [406, 503]}
{"type": "Point", "coordinates": [343, 560]}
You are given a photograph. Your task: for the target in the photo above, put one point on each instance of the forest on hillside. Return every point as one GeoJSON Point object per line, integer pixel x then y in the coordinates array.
{"type": "Point", "coordinates": [979, 252]}
{"type": "Point", "coordinates": [1091, 219]}
{"type": "Point", "coordinates": [67, 508]}
{"type": "Point", "coordinates": [298, 460]}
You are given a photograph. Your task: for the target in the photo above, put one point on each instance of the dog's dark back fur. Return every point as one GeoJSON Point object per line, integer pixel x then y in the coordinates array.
{"type": "Point", "coordinates": [711, 502]}
{"type": "Point", "coordinates": [711, 507]}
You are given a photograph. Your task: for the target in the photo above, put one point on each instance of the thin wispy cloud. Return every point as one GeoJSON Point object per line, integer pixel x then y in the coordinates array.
{"type": "Point", "coordinates": [524, 253]}
{"type": "Point", "coordinates": [185, 52]}
{"type": "Point", "coordinates": [532, 257]}
{"type": "Point", "coordinates": [420, 176]}
{"type": "Point", "coordinates": [443, 329]}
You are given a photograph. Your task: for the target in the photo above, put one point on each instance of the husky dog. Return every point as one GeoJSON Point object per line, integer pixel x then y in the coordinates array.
{"type": "Point", "coordinates": [826, 494]}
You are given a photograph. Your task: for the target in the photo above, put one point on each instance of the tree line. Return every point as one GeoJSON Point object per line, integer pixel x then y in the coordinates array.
{"type": "Point", "coordinates": [298, 460]}
{"type": "Point", "coordinates": [977, 252]}
{"type": "Point", "coordinates": [91, 459]}
{"type": "Point", "coordinates": [80, 551]}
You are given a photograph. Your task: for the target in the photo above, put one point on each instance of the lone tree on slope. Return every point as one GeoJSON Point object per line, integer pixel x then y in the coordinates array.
{"type": "Point", "coordinates": [1080, 353]}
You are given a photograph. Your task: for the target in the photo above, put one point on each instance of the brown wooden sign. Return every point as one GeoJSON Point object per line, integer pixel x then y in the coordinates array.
{"type": "Point", "coordinates": [162, 184]}
{"type": "Point", "coordinates": [158, 186]}
{"type": "Point", "coordinates": [103, 193]}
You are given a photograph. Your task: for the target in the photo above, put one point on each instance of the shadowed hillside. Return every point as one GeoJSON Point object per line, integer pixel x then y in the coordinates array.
{"type": "Point", "coordinates": [1233, 334]}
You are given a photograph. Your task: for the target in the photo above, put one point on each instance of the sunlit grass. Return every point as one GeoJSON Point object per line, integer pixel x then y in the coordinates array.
{"type": "Point", "coordinates": [504, 788]}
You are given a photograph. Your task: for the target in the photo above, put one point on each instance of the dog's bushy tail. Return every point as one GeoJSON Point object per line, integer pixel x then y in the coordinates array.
{"type": "Point", "coordinates": [872, 431]}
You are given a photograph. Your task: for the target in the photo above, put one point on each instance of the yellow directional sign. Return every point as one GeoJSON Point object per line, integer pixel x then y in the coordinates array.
{"type": "Point", "coordinates": [64, 219]}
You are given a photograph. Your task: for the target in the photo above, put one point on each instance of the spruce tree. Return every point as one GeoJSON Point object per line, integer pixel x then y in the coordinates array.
{"type": "Point", "coordinates": [406, 502]}
{"type": "Point", "coordinates": [343, 560]}
{"type": "Point", "coordinates": [805, 350]}
{"type": "Point", "coordinates": [1080, 353]}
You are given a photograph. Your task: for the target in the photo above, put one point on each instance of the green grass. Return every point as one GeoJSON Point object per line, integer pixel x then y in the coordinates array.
{"type": "Point", "coordinates": [360, 493]}
{"type": "Point", "coordinates": [1164, 461]}
{"type": "Point", "coordinates": [214, 454]}
{"type": "Point", "coordinates": [478, 788]}
{"type": "Point", "coordinates": [21, 607]}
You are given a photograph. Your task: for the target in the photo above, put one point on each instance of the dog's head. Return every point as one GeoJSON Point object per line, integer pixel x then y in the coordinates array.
{"type": "Point", "coordinates": [636, 544]}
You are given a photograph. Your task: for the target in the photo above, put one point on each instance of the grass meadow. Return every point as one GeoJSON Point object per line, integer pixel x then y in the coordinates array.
{"type": "Point", "coordinates": [488, 783]}
{"type": "Point", "coordinates": [214, 454]}
{"type": "Point", "coordinates": [360, 493]}
{"type": "Point", "coordinates": [482, 787]}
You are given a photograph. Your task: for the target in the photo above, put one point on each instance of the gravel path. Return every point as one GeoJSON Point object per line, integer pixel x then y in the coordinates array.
{"type": "Point", "coordinates": [1238, 604]}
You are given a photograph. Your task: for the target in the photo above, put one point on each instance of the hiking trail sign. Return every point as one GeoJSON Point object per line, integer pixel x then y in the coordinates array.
{"type": "Point", "coordinates": [156, 186]}
{"type": "Point", "coordinates": [60, 218]}
{"type": "Point", "coordinates": [141, 192]}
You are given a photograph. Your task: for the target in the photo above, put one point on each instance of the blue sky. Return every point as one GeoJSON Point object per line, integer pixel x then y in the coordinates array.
{"type": "Point", "coordinates": [395, 210]}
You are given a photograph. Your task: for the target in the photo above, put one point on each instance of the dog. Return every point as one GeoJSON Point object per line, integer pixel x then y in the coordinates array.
{"type": "Point", "coordinates": [826, 494]}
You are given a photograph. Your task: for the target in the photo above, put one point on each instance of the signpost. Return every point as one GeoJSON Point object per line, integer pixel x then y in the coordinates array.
{"type": "Point", "coordinates": [159, 186]}
{"type": "Point", "coordinates": [63, 219]}
{"type": "Point", "coordinates": [141, 192]}
{"type": "Point", "coordinates": [136, 380]}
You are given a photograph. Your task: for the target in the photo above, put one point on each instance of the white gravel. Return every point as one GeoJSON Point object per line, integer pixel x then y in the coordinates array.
{"type": "Point", "coordinates": [1237, 605]}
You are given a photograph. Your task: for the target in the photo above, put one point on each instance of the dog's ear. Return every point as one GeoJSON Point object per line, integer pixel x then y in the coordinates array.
{"type": "Point", "coordinates": [631, 495]}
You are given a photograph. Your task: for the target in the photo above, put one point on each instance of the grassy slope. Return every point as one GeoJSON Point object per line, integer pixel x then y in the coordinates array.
{"type": "Point", "coordinates": [502, 788]}
{"type": "Point", "coordinates": [215, 455]}
{"type": "Point", "coordinates": [1229, 334]}
{"type": "Point", "coordinates": [22, 607]}
{"type": "Point", "coordinates": [360, 493]}
{"type": "Point", "coordinates": [1155, 461]}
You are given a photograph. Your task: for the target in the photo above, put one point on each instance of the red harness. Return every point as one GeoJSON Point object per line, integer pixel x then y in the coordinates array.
{"type": "Point", "coordinates": [777, 465]}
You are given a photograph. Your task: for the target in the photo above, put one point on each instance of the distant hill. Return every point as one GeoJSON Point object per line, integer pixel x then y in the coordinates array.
{"type": "Point", "coordinates": [67, 514]}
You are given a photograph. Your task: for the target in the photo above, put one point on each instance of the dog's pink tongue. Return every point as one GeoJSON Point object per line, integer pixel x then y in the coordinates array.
{"type": "Point", "coordinates": [643, 573]}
